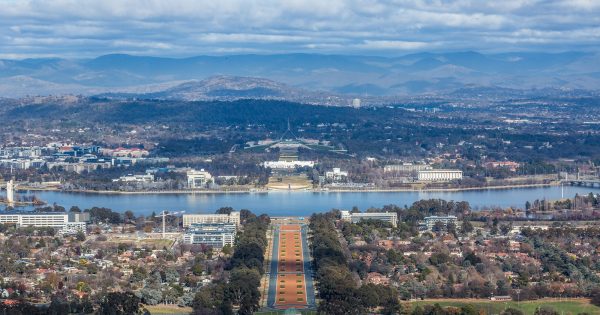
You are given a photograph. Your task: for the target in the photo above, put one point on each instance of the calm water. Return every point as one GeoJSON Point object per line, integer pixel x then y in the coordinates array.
{"type": "Point", "coordinates": [299, 203]}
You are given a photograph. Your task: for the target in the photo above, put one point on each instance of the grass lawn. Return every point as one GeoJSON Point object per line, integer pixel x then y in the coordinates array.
{"type": "Point", "coordinates": [168, 309]}
{"type": "Point", "coordinates": [570, 306]}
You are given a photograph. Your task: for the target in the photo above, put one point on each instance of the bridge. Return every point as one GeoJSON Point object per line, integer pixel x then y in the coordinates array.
{"type": "Point", "coordinates": [594, 183]}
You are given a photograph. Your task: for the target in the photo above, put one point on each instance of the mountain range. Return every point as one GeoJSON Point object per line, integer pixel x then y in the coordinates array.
{"type": "Point", "coordinates": [292, 76]}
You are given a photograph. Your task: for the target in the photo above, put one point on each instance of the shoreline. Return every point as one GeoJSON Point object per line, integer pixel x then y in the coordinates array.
{"type": "Point", "coordinates": [262, 190]}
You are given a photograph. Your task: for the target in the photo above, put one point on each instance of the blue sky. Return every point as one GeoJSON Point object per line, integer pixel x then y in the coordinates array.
{"type": "Point", "coordinates": [178, 28]}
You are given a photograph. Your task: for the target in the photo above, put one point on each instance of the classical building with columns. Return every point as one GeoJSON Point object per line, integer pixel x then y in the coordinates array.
{"type": "Point", "coordinates": [439, 175]}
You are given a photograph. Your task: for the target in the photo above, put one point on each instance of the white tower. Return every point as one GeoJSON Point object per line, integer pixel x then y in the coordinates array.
{"type": "Point", "coordinates": [10, 192]}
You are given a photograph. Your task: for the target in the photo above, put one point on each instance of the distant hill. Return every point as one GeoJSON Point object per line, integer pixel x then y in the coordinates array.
{"type": "Point", "coordinates": [286, 75]}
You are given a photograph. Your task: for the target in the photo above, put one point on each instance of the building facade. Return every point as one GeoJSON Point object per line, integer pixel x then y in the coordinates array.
{"type": "Point", "coordinates": [41, 219]}
{"type": "Point", "coordinates": [287, 164]}
{"type": "Point", "coordinates": [72, 228]}
{"type": "Point", "coordinates": [198, 179]}
{"type": "Point", "coordinates": [216, 235]}
{"type": "Point", "coordinates": [336, 175]}
{"type": "Point", "coordinates": [432, 220]}
{"type": "Point", "coordinates": [405, 168]}
{"type": "Point", "coordinates": [391, 217]}
{"type": "Point", "coordinates": [439, 175]}
{"type": "Point", "coordinates": [233, 218]}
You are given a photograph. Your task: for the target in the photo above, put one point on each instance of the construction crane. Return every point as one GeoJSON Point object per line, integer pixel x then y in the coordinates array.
{"type": "Point", "coordinates": [164, 214]}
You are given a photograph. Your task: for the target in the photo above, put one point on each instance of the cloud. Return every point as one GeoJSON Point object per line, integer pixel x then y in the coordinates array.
{"type": "Point", "coordinates": [86, 28]}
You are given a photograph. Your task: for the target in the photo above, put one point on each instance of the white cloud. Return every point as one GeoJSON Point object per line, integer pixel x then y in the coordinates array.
{"type": "Point", "coordinates": [392, 44]}
{"type": "Point", "coordinates": [188, 27]}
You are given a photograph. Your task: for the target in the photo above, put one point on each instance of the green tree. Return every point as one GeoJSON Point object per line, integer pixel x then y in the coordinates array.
{"type": "Point", "coordinates": [119, 303]}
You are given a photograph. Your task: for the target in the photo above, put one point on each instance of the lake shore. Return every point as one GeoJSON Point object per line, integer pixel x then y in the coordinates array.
{"type": "Point", "coordinates": [262, 190]}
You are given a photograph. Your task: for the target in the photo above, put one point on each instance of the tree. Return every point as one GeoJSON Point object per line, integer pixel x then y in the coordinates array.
{"type": "Point", "coordinates": [511, 311]}
{"type": "Point", "coordinates": [596, 297]}
{"type": "Point", "coordinates": [80, 236]}
{"type": "Point", "coordinates": [545, 310]}
{"type": "Point", "coordinates": [197, 269]}
{"type": "Point", "coordinates": [119, 303]}
{"type": "Point", "coordinates": [243, 289]}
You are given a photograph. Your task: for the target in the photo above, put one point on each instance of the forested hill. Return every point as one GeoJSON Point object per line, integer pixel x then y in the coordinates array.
{"type": "Point", "coordinates": [552, 129]}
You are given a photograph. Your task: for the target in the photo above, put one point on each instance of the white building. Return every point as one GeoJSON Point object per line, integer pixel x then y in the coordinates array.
{"type": "Point", "coordinates": [144, 178]}
{"type": "Point", "coordinates": [405, 168]}
{"type": "Point", "coordinates": [445, 220]}
{"type": "Point", "coordinates": [233, 218]}
{"type": "Point", "coordinates": [287, 164]}
{"type": "Point", "coordinates": [198, 179]}
{"type": "Point", "coordinates": [72, 228]}
{"type": "Point", "coordinates": [391, 217]}
{"type": "Point", "coordinates": [41, 219]}
{"type": "Point", "coordinates": [439, 175]}
{"type": "Point", "coordinates": [336, 175]}
{"type": "Point", "coordinates": [216, 235]}
{"type": "Point", "coordinates": [356, 103]}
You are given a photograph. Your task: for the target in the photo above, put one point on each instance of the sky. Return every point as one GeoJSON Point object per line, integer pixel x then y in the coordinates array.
{"type": "Point", "coordinates": [180, 28]}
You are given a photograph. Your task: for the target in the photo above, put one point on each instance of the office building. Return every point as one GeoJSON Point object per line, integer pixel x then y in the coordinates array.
{"type": "Point", "coordinates": [198, 179]}
{"type": "Point", "coordinates": [130, 178]}
{"type": "Point", "coordinates": [41, 219]}
{"type": "Point", "coordinates": [391, 217]}
{"type": "Point", "coordinates": [405, 168]}
{"type": "Point", "coordinates": [233, 218]}
{"type": "Point", "coordinates": [439, 175]}
{"type": "Point", "coordinates": [445, 220]}
{"type": "Point", "coordinates": [356, 103]}
{"type": "Point", "coordinates": [72, 228]}
{"type": "Point", "coordinates": [336, 175]}
{"type": "Point", "coordinates": [79, 217]}
{"type": "Point", "coordinates": [216, 235]}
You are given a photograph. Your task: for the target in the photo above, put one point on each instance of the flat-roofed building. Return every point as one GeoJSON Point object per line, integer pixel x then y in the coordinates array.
{"type": "Point", "coordinates": [233, 217]}
{"type": "Point", "coordinates": [198, 179]}
{"type": "Point", "coordinates": [72, 228]}
{"type": "Point", "coordinates": [216, 235]}
{"type": "Point", "coordinates": [41, 219]}
{"type": "Point", "coordinates": [287, 164]}
{"type": "Point", "coordinates": [405, 168]}
{"type": "Point", "coordinates": [138, 178]}
{"type": "Point", "coordinates": [445, 220]}
{"type": "Point", "coordinates": [439, 175]}
{"type": "Point", "coordinates": [336, 175]}
{"type": "Point", "coordinates": [391, 217]}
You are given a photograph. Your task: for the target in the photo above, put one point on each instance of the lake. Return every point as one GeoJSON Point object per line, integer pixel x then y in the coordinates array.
{"type": "Point", "coordinates": [299, 203]}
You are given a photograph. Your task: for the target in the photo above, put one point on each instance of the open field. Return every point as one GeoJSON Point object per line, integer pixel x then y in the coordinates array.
{"type": "Point", "coordinates": [289, 183]}
{"type": "Point", "coordinates": [148, 242]}
{"type": "Point", "coordinates": [563, 306]}
{"type": "Point", "coordinates": [167, 309]}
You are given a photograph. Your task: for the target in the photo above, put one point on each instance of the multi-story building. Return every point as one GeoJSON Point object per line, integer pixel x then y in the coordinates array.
{"type": "Point", "coordinates": [198, 179]}
{"type": "Point", "coordinates": [142, 178]}
{"type": "Point", "coordinates": [391, 217]}
{"type": "Point", "coordinates": [233, 218]}
{"type": "Point", "coordinates": [287, 164]}
{"type": "Point", "coordinates": [79, 217]}
{"type": "Point", "coordinates": [216, 235]}
{"type": "Point", "coordinates": [336, 175]}
{"type": "Point", "coordinates": [439, 175]}
{"type": "Point", "coordinates": [445, 220]}
{"type": "Point", "coordinates": [37, 219]}
{"type": "Point", "coordinates": [72, 228]}
{"type": "Point", "coordinates": [405, 168]}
